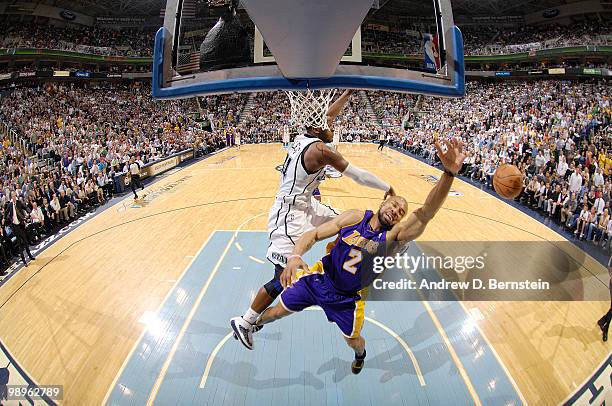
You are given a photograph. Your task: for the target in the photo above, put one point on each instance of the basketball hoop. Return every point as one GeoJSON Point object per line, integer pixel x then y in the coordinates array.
{"type": "Point", "coordinates": [309, 107]}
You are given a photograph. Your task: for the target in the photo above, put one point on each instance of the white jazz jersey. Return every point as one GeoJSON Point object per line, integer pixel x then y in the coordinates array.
{"type": "Point", "coordinates": [295, 211]}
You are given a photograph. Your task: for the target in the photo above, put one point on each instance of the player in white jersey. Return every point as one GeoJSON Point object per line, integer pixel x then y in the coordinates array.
{"type": "Point", "coordinates": [286, 138]}
{"type": "Point", "coordinates": [296, 211]}
{"type": "Point", "coordinates": [336, 141]}
{"type": "Point", "coordinates": [329, 170]}
{"type": "Point", "coordinates": [237, 139]}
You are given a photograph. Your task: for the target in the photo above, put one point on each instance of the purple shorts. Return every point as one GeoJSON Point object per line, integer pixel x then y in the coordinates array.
{"type": "Point", "coordinates": [315, 288]}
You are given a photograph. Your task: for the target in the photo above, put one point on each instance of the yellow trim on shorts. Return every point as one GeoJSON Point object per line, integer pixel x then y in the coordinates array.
{"type": "Point", "coordinates": [358, 317]}
{"type": "Point", "coordinates": [317, 268]}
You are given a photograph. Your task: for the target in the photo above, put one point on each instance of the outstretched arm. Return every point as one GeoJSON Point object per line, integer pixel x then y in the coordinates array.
{"type": "Point", "coordinates": [336, 107]}
{"type": "Point", "coordinates": [416, 222]}
{"type": "Point", "coordinates": [308, 239]}
{"type": "Point", "coordinates": [320, 155]}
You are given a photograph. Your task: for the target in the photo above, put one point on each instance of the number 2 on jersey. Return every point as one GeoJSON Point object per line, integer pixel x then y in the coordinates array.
{"type": "Point", "coordinates": [350, 265]}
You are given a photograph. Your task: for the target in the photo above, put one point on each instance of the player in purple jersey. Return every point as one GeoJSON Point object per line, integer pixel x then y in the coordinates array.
{"type": "Point", "coordinates": [295, 211]}
{"type": "Point", "coordinates": [335, 283]}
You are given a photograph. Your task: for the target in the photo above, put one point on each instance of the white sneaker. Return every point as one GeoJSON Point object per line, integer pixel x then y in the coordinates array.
{"type": "Point", "coordinates": [243, 331]}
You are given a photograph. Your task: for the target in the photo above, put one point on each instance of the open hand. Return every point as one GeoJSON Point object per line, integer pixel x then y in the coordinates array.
{"type": "Point", "coordinates": [452, 159]}
{"type": "Point", "coordinates": [288, 277]}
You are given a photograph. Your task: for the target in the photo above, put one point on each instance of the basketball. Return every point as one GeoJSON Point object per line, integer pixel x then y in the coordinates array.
{"type": "Point", "coordinates": [508, 181]}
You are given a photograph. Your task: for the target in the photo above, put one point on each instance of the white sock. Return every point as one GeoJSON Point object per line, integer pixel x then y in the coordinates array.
{"type": "Point", "coordinates": [251, 316]}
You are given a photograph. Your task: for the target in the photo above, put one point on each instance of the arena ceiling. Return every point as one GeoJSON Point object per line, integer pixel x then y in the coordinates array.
{"type": "Point", "coordinates": [460, 7]}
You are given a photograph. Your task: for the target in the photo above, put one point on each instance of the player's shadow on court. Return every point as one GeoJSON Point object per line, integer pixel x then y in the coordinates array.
{"type": "Point", "coordinates": [189, 361]}
{"type": "Point", "coordinates": [425, 342]}
{"type": "Point", "coordinates": [392, 364]}
{"type": "Point", "coordinates": [576, 333]}
{"type": "Point", "coordinates": [202, 328]}
{"type": "Point", "coordinates": [245, 374]}
{"type": "Point", "coordinates": [395, 362]}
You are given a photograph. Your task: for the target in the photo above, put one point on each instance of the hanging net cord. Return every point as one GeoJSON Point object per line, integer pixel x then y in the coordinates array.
{"type": "Point", "coordinates": [309, 107]}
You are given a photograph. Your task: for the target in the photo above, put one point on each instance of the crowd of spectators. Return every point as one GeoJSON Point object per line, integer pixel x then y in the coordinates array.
{"type": "Point", "coordinates": [391, 108]}
{"type": "Point", "coordinates": [488, 39]}
{"type": "Point", "coordinates": [266, 118]}
{"type": "Point", "coordinates": [357, 121]}
{"type": "Point", "coordinates": [521, 38]}
{"type": "Point", "coordinates": [270, 114]}
{"type": "Point", "coordinates": [79, 137]}
{"type": "Point", "coordinates": [557, 133]}
{"type": "Point", "coordinates": [74, 37]}
{"type": "Point", "coordinates": [390, 42]}
{"type": "Point", "coordinates": [480, 39]}
{"type": "Point", "coordinates": [27, 67]}
{"type": "Point", "coordinates": [476, 37]}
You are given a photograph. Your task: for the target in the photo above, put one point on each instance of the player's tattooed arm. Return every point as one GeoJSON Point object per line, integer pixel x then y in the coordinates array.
{"type": "Point", "coordinates": [308, 239]}
{"type": "Point", "coordinates": [415, 224]}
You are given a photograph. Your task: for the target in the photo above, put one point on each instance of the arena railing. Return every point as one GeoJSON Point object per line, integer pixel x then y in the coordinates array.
{"type": "Point", "coordinates": [15, 138]}
{"type": "Point", "coordinates": [35, 53]}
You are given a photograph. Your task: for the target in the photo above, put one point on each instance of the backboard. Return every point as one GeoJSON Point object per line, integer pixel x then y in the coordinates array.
{"type": "Point", "coordinates": [262, 45]}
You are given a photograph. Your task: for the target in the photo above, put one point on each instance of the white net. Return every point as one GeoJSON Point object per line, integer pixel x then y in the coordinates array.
{"type": "Point", "coordinates": [309, 107]}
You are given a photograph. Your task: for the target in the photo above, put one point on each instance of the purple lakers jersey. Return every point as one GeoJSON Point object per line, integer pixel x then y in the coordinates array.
{"type": "Point", "coordinates": [349, 263]}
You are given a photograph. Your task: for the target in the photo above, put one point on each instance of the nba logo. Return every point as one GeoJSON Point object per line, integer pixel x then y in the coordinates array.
{"type": "Point", "coordinates": [432, 55]}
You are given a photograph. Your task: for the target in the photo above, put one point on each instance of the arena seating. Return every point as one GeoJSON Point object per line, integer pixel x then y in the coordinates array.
{"type": "Point", "coordinates": [478, 39]}
{"type": "Point", "coordinates": [487, 39]}
{"type": "Point", "coordinates": [95, 40]}
{"type": "Point", "coordinates": [78, 137]}
{"type": "Point", "coordinates": [557, 133]}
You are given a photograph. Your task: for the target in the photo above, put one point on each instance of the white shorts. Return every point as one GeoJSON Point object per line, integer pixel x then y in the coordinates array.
{"type": "Point", "coordinates": [286, 224]}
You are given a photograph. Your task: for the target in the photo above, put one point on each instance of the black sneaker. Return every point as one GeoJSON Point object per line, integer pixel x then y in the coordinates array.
{"type": "Point", "coordinates": [604, 325]}
{"type": "Point", "coordinates": [602, 322]}
{"type": "Point", "coordinates": [358, 363]}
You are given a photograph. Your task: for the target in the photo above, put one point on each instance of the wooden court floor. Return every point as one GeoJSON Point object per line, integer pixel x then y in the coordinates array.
{"type": "Point", "coordinates": [73, 316]}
